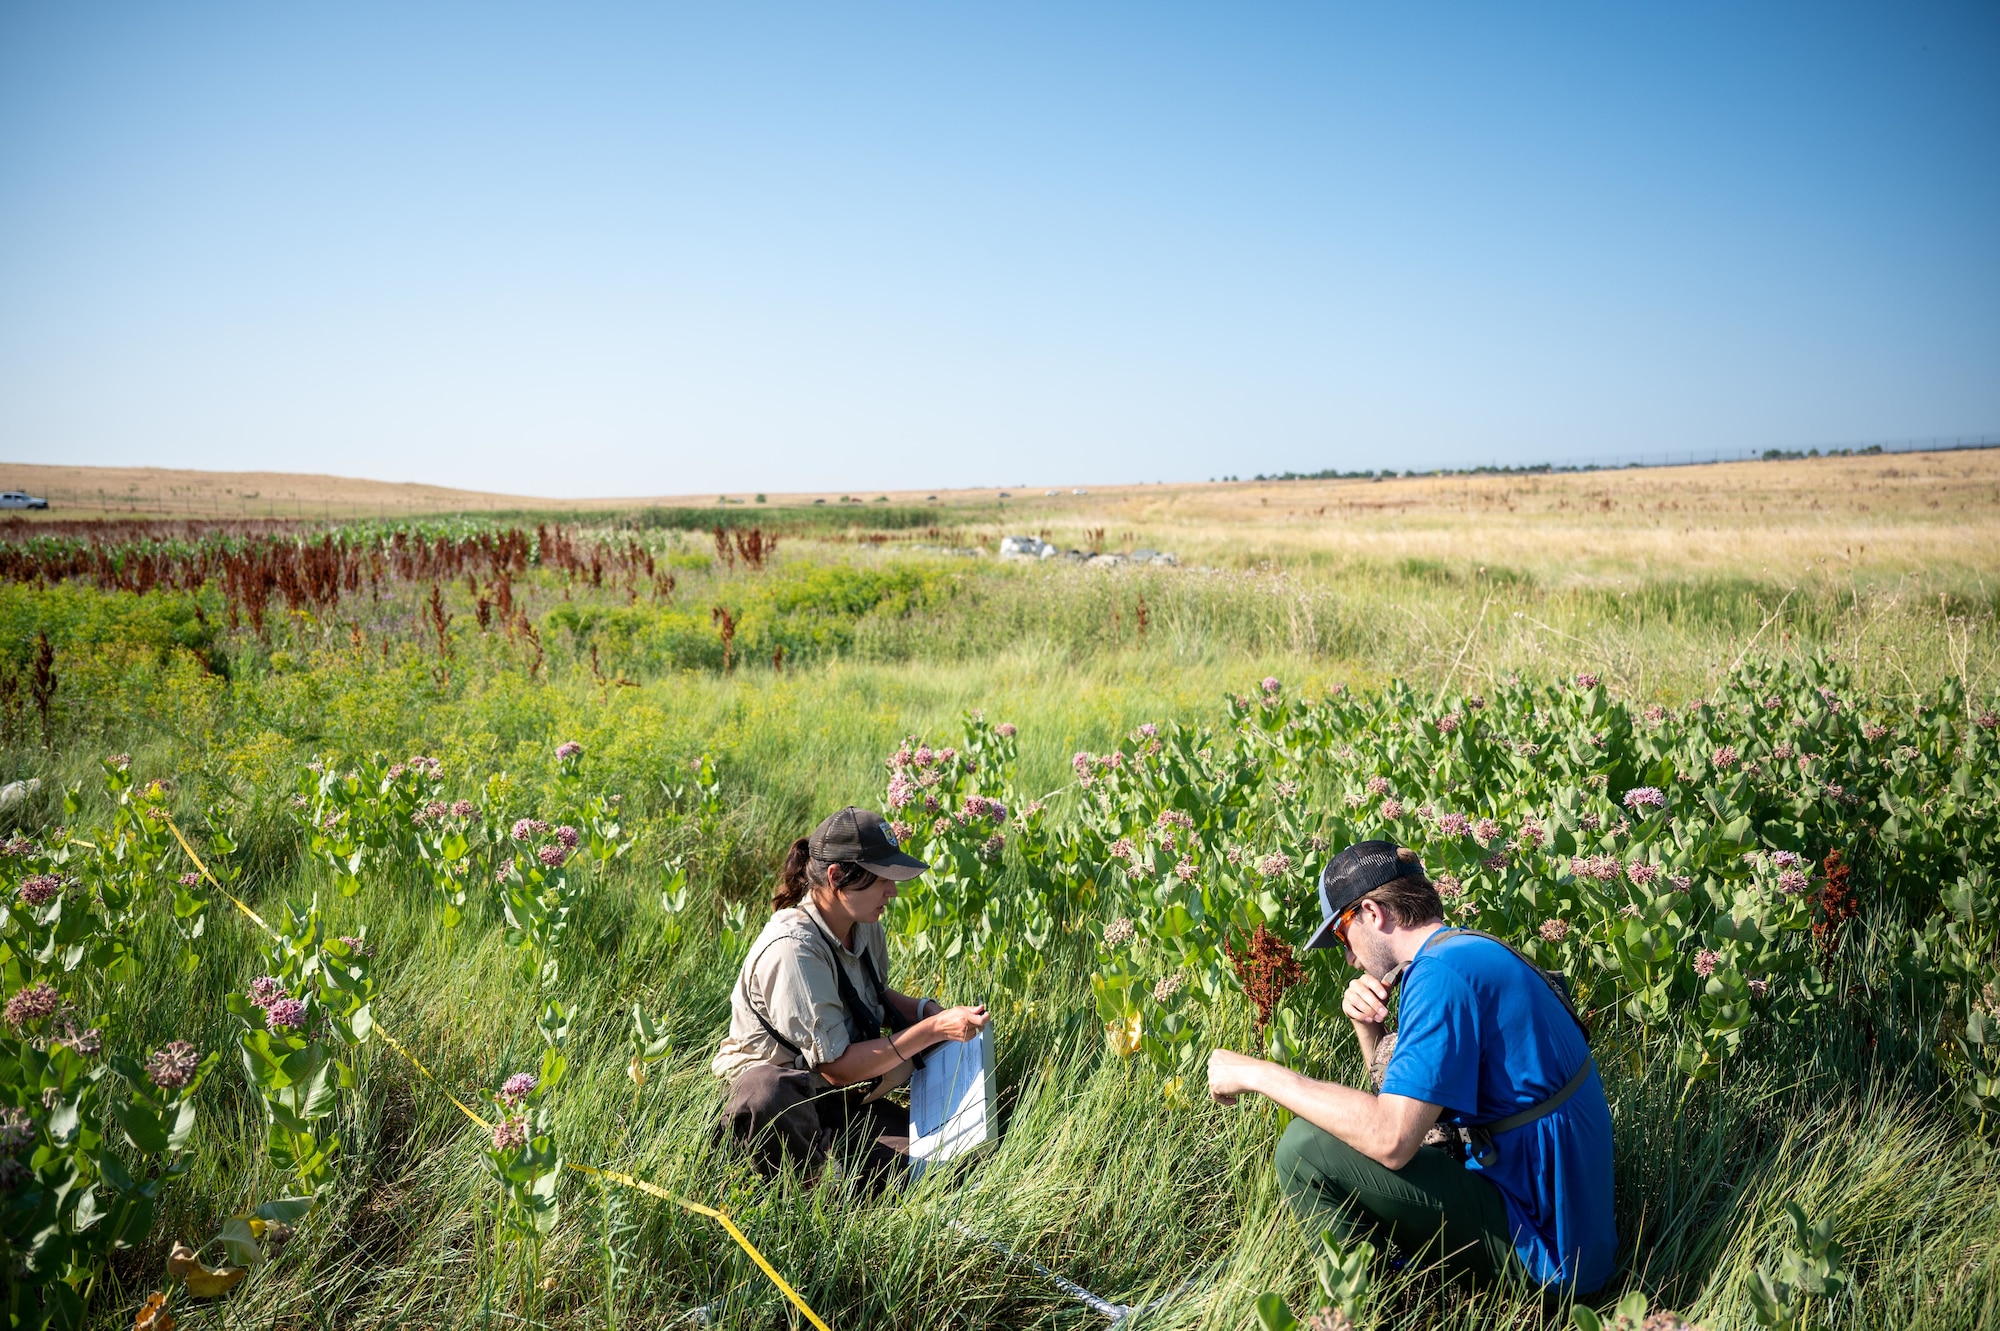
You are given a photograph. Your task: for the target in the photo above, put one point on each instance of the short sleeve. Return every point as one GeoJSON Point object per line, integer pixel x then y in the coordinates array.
{"type": "Point", "coordinates": [1437, 1042]}
{"type": "Point", "coordinates": [802, 1000]}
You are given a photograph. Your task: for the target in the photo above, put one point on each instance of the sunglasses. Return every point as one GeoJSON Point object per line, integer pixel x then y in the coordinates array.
{"type": "Point", "coordinates": [1345, 919]}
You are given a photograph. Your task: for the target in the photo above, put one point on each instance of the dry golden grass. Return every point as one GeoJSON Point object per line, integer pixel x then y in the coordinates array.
{"type": "Point", "coordinates": [1893, 514]}
{"type": "Point", "coordinates": [160, 492]}
{"type": "Point", "coordinates": [1900, 513]}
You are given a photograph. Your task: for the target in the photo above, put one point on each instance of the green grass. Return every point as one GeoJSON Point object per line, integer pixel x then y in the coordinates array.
{"type": "Point", "coordinates": [1100, 1174]}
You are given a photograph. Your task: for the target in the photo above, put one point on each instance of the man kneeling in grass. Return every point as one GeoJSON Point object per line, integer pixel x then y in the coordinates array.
{"type": "Point", "coordinates": [1489, 1050]}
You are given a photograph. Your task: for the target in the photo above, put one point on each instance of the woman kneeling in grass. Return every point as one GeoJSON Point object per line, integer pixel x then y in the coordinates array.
{"type": "Point", "coordinates": [816, 1036]}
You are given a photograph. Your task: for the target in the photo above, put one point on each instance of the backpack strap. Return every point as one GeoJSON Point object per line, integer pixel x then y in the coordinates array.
{"type": "Point", "coordinates": [861, 1023]}
{"type": "Point", "coordinates": [1557, 984]}
{"type": "Point", "coordinates": [1478, 1141]}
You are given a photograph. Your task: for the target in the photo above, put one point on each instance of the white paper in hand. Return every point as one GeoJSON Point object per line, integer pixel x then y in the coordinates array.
{"type": "Point", "coordinates": [952, 1102]}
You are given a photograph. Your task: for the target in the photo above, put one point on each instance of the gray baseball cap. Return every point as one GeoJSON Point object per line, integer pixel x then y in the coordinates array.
{"type": "Point", "coordinates": [1352, 875]}
{"type": "Point", "coordinates": [860, 836]}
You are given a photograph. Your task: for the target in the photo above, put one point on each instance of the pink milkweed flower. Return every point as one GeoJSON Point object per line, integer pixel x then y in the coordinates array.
{"type": "Point", "coordinates": [1759, 987]}
{"type": "Point", "coordinates": [1791, 882]}
{"type": "Point", "coordinates": [1275, 865]}
{"type": "Point", "coordinates": [17, 1134]}
{"type": "Point", "coordinates": [1378, 785]}
{"type": "Point", "coordinates": [1454, 824]}
{"type": "Point", "coordinates": [1271, 684]}
{"type": "Point", "coordinates": [32, 1004]}
{"type": "Point", "coordinates": [190, 879]}
{"type": "Point", "coordinates": [510, 1134]}
{"type": "Point", "coordinates": [1485, 831]}
{"type": "Point", "coordinates": [1392, 809]}
{"type": "Point", "coordinates": [1185, 871]}
{"type": "Point", "coordinates": [518, 1087]}
{"type": "Point", "coordinates": [1705, 962]}
{"type": "Point", "coordinates": [1449, 722]}
{"type": "Point", "coordinates": [1554, 931]}
{"type": "Point", "coordinates": [285, 1014]}
{"type": "Point", "coordinates": [41, 889]}
{"type": "Point", "coordinates": [1681, 882]}
{"type": "Point", "coordinates": [1005, 730]}
{"type": "Point", "coordinates": [553, 855]}
{"type": "Point", "coordinates": [901, 831]}
{"type": "Point", "coordinates": [1123, 849]}
{"type": "Point", "coordinates": [1149, 730]}
{"type": "Point", "coordinates": [567, 750]}
{"type": "Point", "coordinates": [173, 1066]}
{"type": "Point", "coordinates": [1725, 757]}
{"type": "Point", "coordinates": [1118, 932]}
{"type": "Point", "coordinates": [357, 946]}
{"type": "Point", "coordinates": [1645, 797]}
{"type": "Point", "coordinates": [568, 836]}
{"type": "Point", "coordinates": [464, 809]}
{"type": "Point", "coordinates": [1448, 886]}
{"type": "Point", "coordinates": [1787, 859]}
{"type": "Point", "coordinates": [1641, 873]}
{"type": "Point", "coordinates": [266, 990]}
{"type": "Point", "coordinates": [527, 829]}
{"type": "Point", "coordinates": [1586, 681]}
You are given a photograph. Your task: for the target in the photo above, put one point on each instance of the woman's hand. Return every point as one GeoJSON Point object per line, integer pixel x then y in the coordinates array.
{"type": "Point", "coordinates": [957, 1024]}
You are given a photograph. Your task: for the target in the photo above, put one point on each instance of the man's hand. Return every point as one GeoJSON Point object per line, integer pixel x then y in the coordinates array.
{"type": "Point", "coordinates": [1231, 1074]}
{"type": "Point", "coordinates": [1367, 1001]}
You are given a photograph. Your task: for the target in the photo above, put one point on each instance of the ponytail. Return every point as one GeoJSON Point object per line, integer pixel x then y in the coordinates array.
{"type": "Point", "coordinates": [792, 881]}
{"type": "Point", "coordinates": [801, 871]}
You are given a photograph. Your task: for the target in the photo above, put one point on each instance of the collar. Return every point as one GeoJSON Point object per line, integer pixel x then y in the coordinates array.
{"type": "Point", "coordinates": [1424, 946]}
{"type": "Point", "coordinates": [811, 910]}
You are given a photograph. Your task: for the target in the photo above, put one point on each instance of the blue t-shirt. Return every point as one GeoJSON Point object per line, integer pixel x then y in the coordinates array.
{"type": "Point", "coordinates": [1481, 1035]}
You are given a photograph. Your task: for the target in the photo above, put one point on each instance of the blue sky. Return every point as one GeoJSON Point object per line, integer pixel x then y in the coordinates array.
{"type": "Point", "coordinates": [589, 250]}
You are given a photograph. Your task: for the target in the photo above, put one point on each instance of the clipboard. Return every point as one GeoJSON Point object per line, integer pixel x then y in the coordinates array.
{"type": "Point", "coordinates": [953, 1103]}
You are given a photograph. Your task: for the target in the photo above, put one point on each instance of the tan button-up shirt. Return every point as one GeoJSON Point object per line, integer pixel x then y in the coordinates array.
{"type": "Point", "coordinates": [788, 978]}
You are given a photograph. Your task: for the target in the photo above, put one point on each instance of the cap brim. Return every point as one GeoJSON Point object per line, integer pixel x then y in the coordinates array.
{"type": "Point", "coordinates": [896, 867]}
{"type": "Point", "coordinates": [1323, 937]}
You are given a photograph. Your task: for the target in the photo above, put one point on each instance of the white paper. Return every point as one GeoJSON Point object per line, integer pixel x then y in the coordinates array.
{"type": "Point", "coordinates": [952, 1108]}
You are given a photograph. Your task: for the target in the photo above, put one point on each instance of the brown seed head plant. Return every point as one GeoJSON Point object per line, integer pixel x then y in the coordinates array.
{"type": "Point", "coordinates": [1267, 969]}
{"type": "Point", "coordinates": [1837, 906]}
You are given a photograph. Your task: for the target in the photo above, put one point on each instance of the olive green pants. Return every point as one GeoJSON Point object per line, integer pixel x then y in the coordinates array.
{"type": "Point", "coordinates": [1434, 1209]}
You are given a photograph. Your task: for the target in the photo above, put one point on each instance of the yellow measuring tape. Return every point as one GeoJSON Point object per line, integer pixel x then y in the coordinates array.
{"type": "Point", "coordinates": [624, 1180]}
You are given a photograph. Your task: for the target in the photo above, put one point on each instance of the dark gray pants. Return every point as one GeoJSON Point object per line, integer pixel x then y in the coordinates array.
{"type": "Point", "coordinates": [783, 1115]}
